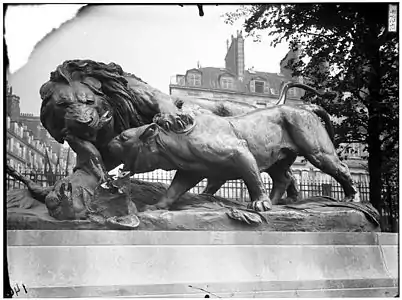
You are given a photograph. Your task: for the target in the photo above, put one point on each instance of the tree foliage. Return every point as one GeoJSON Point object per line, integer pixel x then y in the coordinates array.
{"type": "Point", "coordinates": [350, 51]}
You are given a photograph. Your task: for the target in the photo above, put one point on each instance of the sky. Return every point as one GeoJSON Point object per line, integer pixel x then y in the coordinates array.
{"type": "Point", "coordinates": [153, 42]}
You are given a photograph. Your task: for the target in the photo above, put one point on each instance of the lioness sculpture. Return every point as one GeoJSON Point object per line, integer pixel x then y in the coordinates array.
{"type": "Point", "coordinates": [240, 147]}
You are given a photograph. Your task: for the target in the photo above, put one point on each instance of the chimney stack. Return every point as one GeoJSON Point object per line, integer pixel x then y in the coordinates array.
{"type": "Point", "coordinates": [240, 56]}
{"type": "Point", "coordinates": [234, 60]}
{"type": "Point", "coordinates": [295, 55]}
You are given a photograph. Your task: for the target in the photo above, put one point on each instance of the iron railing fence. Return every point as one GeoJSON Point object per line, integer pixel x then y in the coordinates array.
{"type": "Point", "coordinates": [232, 189]}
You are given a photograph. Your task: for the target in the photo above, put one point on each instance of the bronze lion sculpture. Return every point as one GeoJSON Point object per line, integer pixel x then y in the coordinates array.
{"type": "Point", "coordinates": [88, 103]}
{"type": "Point", "coordinates": [239, 147]}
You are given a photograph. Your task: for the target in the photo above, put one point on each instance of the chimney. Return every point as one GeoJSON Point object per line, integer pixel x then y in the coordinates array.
{"type": "Point", "coordinates": [13, 107]}
{"type": "Point", "coordinates": [240, 56]}
{"type": "Point", "coordinates": [234, 60]}
{"type": "Point", "coordinates": [284, 62]}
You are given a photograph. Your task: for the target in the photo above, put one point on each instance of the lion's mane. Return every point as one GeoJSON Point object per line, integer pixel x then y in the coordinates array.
{"type": "Point", "coordinates": [130, 108]}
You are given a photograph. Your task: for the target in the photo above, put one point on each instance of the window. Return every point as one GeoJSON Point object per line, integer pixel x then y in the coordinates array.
{"type": "Point", "coordinates": [227, 83]}
{"type": "Point", "coordinates": [11, 148]}
{"type": "Point", "coordinates": [194, 79]}
{"type": "Point", "coordinates": [16, 148]}
{"type": "Point", "coordinates": [22, 151]}
{"type": "Point", "coordinates": [259, 87]}
{"type": "Point", "coordinates": [180, 80]}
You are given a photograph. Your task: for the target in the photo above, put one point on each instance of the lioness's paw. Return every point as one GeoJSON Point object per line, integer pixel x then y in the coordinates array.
{"type": "Point", "coordinates": [173, 122]}
{"type": "Point", "coordinates": [260, 205]}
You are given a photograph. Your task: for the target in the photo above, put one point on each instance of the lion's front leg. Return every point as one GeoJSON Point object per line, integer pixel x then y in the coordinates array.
{"type": "Point", "coordinates": [88, 157]}
{"type": "Point", "coordinates": [71, 194]}
{"type": "Point", "coordinates": [181, 183]}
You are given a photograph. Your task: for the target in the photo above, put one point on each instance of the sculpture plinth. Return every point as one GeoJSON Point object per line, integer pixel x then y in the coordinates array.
{"type": "Point", "coordinates": [82, 263]}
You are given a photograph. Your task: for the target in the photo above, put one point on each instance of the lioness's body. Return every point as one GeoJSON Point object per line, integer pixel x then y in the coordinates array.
{"type": "Point", "coordinates": [237, 147]}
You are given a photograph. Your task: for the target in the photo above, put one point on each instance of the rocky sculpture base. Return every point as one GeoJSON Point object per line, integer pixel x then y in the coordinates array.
{"type": "Point", "coordinates": [324, 219]}
{"type": "Point", "coordinates": [201, 213]}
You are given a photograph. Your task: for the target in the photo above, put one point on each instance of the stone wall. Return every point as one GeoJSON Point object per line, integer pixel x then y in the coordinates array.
{"type": "Point", "coordinates": [195, 264]}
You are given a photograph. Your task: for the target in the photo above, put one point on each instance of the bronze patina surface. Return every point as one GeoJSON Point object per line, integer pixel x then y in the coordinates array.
{"type": "Point", "coordinates": [89, 103]}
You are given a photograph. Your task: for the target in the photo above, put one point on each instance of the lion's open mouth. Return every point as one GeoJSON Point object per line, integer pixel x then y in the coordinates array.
{"type": "Point", "coordinates": [106, 118]}
{"type": "Point", "coordinates": [85, 121]}
{"type": "Point", "coordinates": [95, 122]}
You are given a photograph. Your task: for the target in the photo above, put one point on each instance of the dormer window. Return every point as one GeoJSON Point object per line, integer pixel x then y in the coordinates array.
{"type": "Point", "coordinates": [194, 79]}
{"type": "Point", "coordinates": [227, 83]}
{"type": "Point", "coordinates": [259, 86]}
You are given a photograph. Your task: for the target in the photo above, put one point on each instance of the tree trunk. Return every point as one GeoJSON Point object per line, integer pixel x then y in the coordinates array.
{"type": "Point", "coordinates": [374, 163]}
{"type": "Point", "coordinates": [393, 211]}
{"type": "Point", "coordinates": [374, 131]}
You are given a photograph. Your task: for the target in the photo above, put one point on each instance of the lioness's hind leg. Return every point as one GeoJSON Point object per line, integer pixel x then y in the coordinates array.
{"type": "Point", "coordinates": [331, 165]}
{"type": "Point", "coordinates": [245, 161]}
{"type": "Point", "coordinates": [281, 177]}
{"type": "Point", "coordinates": [213, 186]}
{"type": "Point", "coordinates": [292, 191]}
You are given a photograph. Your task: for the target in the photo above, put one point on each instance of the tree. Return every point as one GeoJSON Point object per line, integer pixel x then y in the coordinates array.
{"type": "Point", "coordinates": [350, 51]}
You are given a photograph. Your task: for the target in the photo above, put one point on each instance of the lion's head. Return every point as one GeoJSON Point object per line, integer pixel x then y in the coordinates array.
{"type": "Point", "coordinates": [86, 97]}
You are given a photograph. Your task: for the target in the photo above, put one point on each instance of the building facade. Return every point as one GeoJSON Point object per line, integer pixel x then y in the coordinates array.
{"type": "Point", "coordinates": [234, 82]}
{"type": "Point", "coordinates": [29, 145]}
{"type": "Point", "coordinates": [261, 89]}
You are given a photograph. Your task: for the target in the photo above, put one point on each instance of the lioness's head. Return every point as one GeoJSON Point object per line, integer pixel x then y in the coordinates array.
{"type": "Point", "coordinates": [137, 148]}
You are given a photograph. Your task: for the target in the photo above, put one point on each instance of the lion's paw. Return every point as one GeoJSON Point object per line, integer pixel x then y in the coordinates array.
{"type": "Point", "coordinates": [260, 205]}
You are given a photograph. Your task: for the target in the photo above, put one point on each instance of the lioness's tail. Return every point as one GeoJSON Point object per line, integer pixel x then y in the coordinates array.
{"type": "Point", "coordinates": [286, 86]}
{"type": "Point", "coordinates": [321, 112]}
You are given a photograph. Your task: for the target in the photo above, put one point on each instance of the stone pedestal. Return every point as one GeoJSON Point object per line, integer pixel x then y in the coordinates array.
{"type": "Point", "coordinates": [100, 263]}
